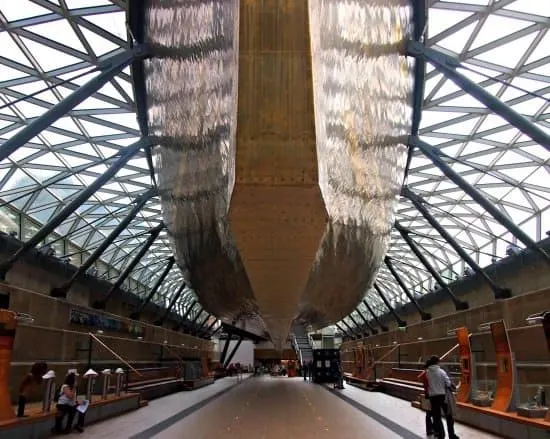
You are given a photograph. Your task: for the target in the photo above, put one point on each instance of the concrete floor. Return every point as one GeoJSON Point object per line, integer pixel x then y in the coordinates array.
{"type": "Point", "coordinates": [271, 408]}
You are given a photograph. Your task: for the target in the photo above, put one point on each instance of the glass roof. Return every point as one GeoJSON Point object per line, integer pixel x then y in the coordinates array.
{"type": "Point", "coordinates": [49, 48]}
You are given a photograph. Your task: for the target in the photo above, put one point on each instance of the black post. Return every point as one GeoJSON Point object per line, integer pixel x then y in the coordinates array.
{"type": "Point", "coordinates": [435, 155]}
{"type": "Point", "coordinates": [499, 293]}
{"type": "Point", "coordinates": [136, 314]}
{"type": "Point", "coordinates": [233, 352]}
{"type": "Point", "coordinates": [175, 298]}
{"type": "Point", "coordinates": [372, 329]}
{"type": "Point", "coordinates": [155, 231]}
{"type": "Point", "coordinates": [140, 202]}
{"type": "Point", "coordinates": [400, 322]}
{"type": "Point", "coordinates": [459, 304]}
{"type": "Point", "coordinates": [126, 154]}
{"type": "Point", "coordinates": [423, 315]}
{"type": "Point", "coordinates": [375, 317]}
{"type": "Point", "coordinates": [225, 347]}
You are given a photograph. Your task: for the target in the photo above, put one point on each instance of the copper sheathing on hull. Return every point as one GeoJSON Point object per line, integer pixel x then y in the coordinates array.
{"type": "Point", "coordinates": [283, 122]}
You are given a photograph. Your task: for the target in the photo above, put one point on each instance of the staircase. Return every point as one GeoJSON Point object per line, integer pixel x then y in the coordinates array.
{"type": "Point", "coordinates": [302, 345]}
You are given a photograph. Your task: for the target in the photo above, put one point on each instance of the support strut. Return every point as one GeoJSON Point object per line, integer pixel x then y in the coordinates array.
{"type": "Point", "coordinates": [383, 327]}
{"type": "Point", "coordinates": [155, 231]}
{"type": "Point", "coordinates": [109, 69]}
{"type": "Point", "coordinates": [233, 352]}
{"type": "Point", "coordinates": [423, 315]}
{"type": "Point", "coordinates": [400, 322]}
{"type": "Point", "coordinates": [459, 304]}
{"type": "Point", "coordinates": [371, 328]}
{"type": "Point", "coordinates": [140, 202]}
{"type": "Point", "coordinates": [136, 314]}
{"type": "Point", "coordinates": [448, 66]}
{"type": "Point", "coordinates": [361, 331]}
{"type": "Point", "coordinates": [436, 156]}
{"type": "Point", "coordinates": [417, 200]}
{"type": "Point", "coordinates": [126, 154]}
{"type": "Point", "coordinates": [184, 316]}
{"type": "Point", "coordinates": [171, 305]}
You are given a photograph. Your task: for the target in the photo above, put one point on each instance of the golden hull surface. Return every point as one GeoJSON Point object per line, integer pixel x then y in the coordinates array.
{"type": "Point", "coordinates": [282, 156]}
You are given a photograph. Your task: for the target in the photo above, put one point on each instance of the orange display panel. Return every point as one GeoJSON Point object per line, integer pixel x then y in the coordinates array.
{"type": "Point", "coordinates": [8, 324]}
{"type": "Point", "coordinates": [505, 373]}
{"type": "Point", "coordinates": [465, 353]}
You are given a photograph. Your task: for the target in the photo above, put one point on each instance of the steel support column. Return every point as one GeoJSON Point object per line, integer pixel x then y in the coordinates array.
{"type": "Point", "coordinates": [371, 328]}
{"type": "Point", "coordinates": [448, 66]}
{"type": "Point", "coordinates": [459, 304]}
{"type": "Point", "coordinates": [233, 352]}
{"type": "Point", "coordinates": [342, 331]}
{"type": "Point", "coordinates": [140, 202]}
{"type": "Point", "coordinates": [351, 330]}
{"type": "Point", "coordinates": [225, 347]}
{"type": "Point", "coordinates": [126, 154]}
{"type": "Point", "coordinates": [100, 304]}
{"type": "Point", "coordinates": [383, 327]}
{"type": "Point", "coordinates": [400, 322]}
{"type": "Point", "coordinates": [171, 305]}
{"type": "Point", "coordinates": [417, 200]}
{"type": "Point", "coordinates": [109, 69]}
{"type": "Point", "coordinates": [192, 322]}
{"type": "Point", "coordinates": [136, 314]}
{"type": "Point", "coordinates": [201, 324]}
{"type": "Point", "coordinates": [423, 315]}
{"type": "Point", "coordinates": [435, 155]}
{"type": "Point", "coordinates": [209, 328]}
{"type": "Point", "coordinates": [184, 316]}
{"type": "Point", "coordinates": [361, 330]}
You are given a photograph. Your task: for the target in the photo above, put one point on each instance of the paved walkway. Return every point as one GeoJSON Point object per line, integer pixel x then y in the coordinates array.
{"type": "Point", "coordinates": [271, 408]}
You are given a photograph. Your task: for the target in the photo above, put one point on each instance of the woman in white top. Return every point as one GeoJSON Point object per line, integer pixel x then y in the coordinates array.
{"type": "Point", "coordinates": [66, 406]}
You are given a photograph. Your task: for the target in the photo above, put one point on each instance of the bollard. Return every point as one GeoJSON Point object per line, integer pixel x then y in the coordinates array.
{"type": "Point", "coordinates": [90, 375]}
{"type": "Point", "coordinates": [106, 381]}
{"type": "Point", "coordinates": [49, 390]}
{"type": "Point", "coordinates": [119, 377]}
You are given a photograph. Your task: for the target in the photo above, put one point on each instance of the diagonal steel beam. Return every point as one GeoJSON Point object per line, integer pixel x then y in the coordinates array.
{"type": "Point", "coordinates": [100, 304]}
{"type": "Point", "coordinates": [136, 314]}
{"type": "Point", "coordinates": [140, 202]}
{"type": "Point", "coordinates": [418, 201]}
{"type": "Point", "coordinates": [423, 315]}
{"type": "Point", "coordinates": [171, 305]}
{"type": "Point", "coordinates": [436, 156]}
{"type": "Point", "coordinates": [375, 317]}
{"type": "Point", "coordinates": [448, 66]}
{"type": "Point", "coordinates": [109, 69]}
{"type": "Point", "coordinates": [400, 322]}
{"type": "Point", "coordinates": [459, 304]}
{"type": "Point", "coordinates": [126, 154]}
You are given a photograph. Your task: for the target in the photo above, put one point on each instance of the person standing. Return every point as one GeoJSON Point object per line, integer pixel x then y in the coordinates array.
{"type": "Point", "coordinates": [438, 385]}
{"type": "Point", "coordinates": [30, 382]}
{"type": "Point", "coordinates": [305, 368]}
{"type": "Point", "coordinates": [429, 418]}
